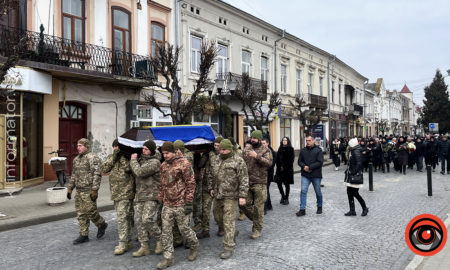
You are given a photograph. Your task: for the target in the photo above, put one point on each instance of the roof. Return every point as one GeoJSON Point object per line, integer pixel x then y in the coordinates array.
{"type": "Point", "coordinates": [405, 90]}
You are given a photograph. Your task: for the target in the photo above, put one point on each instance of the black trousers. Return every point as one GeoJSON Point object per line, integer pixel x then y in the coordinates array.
{"type": "Point", "coordinates": [353, 193]}
{"type": "Point", "coordinates": [288, 189]}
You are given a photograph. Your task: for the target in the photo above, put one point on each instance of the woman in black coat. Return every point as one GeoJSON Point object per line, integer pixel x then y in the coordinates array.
{"type": "Point", "coordinates": [402, 154]}
{"type": "Point", "coordinates": [355, 166]}
{"type": "Point", "coordinates": [285, 169]}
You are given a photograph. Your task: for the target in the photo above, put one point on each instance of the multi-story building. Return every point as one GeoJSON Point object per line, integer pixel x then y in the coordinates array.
{"type": "Point", "coordinates": [83, 60]}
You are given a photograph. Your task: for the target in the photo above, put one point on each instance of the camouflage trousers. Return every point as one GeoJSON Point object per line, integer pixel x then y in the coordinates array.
{"type": "Point", "coordinates": [197, 212]}
{"type": "Point", "coordinates": [86, 211]}
{"type": "Point", "coordinates": [226, 215]}
{"type": "Point", "coordinates": [206, 210]}
{"type": "Point", "coordinates": [257, 194]}
{"type": "Point", "coordinates": [146, 223]}
{"type": "Point", "coordinates": [124, 209]}
{"type": "Point", "coordinates": [169, 216]}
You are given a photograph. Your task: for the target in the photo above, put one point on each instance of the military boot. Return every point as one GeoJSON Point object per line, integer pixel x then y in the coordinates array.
{"type": "Point", "coordinates": [81, 239]}
{"type": "Point", "coordinates": [144, 250]}
{"type": "Point", "coordinates": [164, 263]}
{"type": "Point", "coordinates": [101, 230]}
{"type": "Point", "coordinates": [158, 249]}
{"type": "Point", "coordinates": [221, 232]}
{"type": "Point", "coordinates": [256, 234]}
{"type": "Point", "coordinates": [226, 254]}
{"type": "Point", "coordinates": [193, 252]}
{"type": "Point", "coordinates": [121, 248]}
{"type": "Point", "coordinates": [203, 234]}
{"type": "Point", "coordinates": [197, 227]}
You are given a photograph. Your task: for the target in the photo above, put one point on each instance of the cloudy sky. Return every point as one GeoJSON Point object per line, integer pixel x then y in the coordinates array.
{"type": "Point", "coordinates": [400, 41]}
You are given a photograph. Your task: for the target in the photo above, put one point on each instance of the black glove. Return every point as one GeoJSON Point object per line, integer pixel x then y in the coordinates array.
{"type": "Point", "coordinates": [188, 208]}
{"type": "Point", "coordinates": [69, 194]}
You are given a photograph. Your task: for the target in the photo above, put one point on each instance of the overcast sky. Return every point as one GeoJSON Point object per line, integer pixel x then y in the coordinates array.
{"type": "Point", "coordinates": [397, 40]}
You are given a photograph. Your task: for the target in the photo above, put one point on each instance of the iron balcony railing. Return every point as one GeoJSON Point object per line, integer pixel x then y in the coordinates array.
{"type": "Point", "coordinates": [49, 49]}
{"type": "Point", "coordinates": [230, 82]}
{"type": "Point", "coordinates": [317, 101]}
{"type": "Point", "coordinates": [356, 109]}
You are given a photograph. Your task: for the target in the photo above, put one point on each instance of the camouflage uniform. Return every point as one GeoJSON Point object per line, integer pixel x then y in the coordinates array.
{"type": "Point", "coordinates": [86, 176]}
{"type": "Point", "coordinates": [199, 171]}
{"type": "Point", "coordinates": [122, 186]}
{"type": "Point", "coordinates": [177, 187]}
{"type": "Point", "coordinates": [209, 182]}
{"type": "Point", "coordinates": [177, 237]}
{"type": "Point", "coordinates": [257, 195]}
{"type": "Point", "coordinates": [231, 184]}
{"type": "Point", "coordinates": [146, 171]}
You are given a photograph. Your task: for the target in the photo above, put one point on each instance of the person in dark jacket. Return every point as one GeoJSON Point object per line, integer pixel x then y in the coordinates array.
{"type": "Point", "coordinates": [420, 152]}
{"type": "Point", "coordinates": [285, 169]}
{"type": "Point", "coordinates": [335, 148]}
{"type": "Point", "coordinates": [443, 149]}
{"type": "Point", "coordinates": [355, 166]}
{"type": "Point", "coordinates": [402, 154]}
{"type": "Point", "coordinates": [310, 161]}
{"type": "Point", "coordinates": [270, 171]}
{"type": "Point", "coordinates": [344, 144]}
{"type": "Point", "coordinates": [365, 154]}
{"type": "Point", "coordinates": [431, 154]}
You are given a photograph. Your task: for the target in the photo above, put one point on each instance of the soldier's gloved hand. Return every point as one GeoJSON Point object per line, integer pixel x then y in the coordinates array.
{"type": "Point", "coordinates": [94, 195]}
{"type": "Point", "coordinates": [188, 208]}
{"type": "Point", "coordinates": [69, 194]}
{"type": "Point", "coordinates": [116, 155]}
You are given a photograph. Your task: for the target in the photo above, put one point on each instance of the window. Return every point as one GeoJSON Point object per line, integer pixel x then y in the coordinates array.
{"type": "Point", "coordinates": [339, 97]}
{"type": "Point", "coordinates": [196, 44]}
{"type": "Point", "coordinates": [285, 127]}
{"type": "Point", "coordinates": [157, 31]}
{"type": "Point", "coordinates": [202, 118]}
{"type": "Point", "coordinates": [222, 56]}
{"type": "Point", "coordinates": [246, 58]}
{"type": "Point", "coordinates": [73, 20]}
{"type": "Point", "coordinates": [121, 28]}
{"type": "Point", "coordinates": [298, 80]}
{"type": "Point", "coordinates": [283, 78]}
{"type": "Point", "coordinates": [264, 68]}
{"type": "Point", "coordinates": [144, 112]}
{"type": "Point", "coordinates": [332, 92]}
{"type": "Point", "coordinates": [321, 85]}
{"type": "Point", "coordinates": [310, 81]}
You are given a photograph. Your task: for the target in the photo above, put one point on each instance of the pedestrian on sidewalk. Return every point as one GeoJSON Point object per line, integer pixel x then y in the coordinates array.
{"type": "Point", "coordinates": [335, 149]}
{"type": "Point", "coordinates": [285, 169]}
{"type": "Point", "coordinates": [122, 187]}
{"type": "Point", "coordinates": [230, 188]}
{"type": "Point", "coordinates": [86, 178]}
{"type": "Point", "coordinates": [258, 160]}
{"type": "Point", "coordinates": [310, 161]}
{"type": "Point", "coordinates": [420, 152]}
{"type": "Point", "coordinates": [176, 192]}
{"type": "Point", "coordinates": [443, 152]}
{"type": "Point", "coordinates": [431, 154]}
{"type": "Point", "coordinates": [355, 168]}
{"type": "Point", "coordinates": [146, 170]}
{"type": "Point", "coordinates": [402, 153]}
{"type": "Point", "coordinates": [270, 172]}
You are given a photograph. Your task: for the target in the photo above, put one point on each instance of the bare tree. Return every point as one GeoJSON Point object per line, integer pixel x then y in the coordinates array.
{"type": "Point", "coordinates": [12, 45]}
{"type": "Point", "coordinates": [252, 94]}
{"type": "Point", "coordinates": [307, 117]}
{"type": "Point", "coordinates": [165, 64]}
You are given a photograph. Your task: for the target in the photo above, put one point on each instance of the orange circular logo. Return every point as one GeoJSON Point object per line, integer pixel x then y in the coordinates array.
{"type": "Point", "coordinates": [426, 235]}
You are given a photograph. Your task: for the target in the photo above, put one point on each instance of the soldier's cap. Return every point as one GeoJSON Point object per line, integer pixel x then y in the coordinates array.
{"type": "Point", "coordinates": [151, 145]}
{"type": "Point", "coordinates": [226, 144]}
{"type": "Point", "coordinates": [257, 134]}
{"type": "Point", "coordinates": [167, 147]}
{"type": "Point", "coordinates": [84, 141]}
{"type": "Point", "coordinates": [178, 145]}
{"type": "Point", "coordinates": [115, 143]}
{"type": "Point", "coordinates": [218, 139]}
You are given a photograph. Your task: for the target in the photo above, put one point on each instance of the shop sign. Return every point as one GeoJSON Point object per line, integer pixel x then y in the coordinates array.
{"type": "Point", "coordinates": [27, 79]}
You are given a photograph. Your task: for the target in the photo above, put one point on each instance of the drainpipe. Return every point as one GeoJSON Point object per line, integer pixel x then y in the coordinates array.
{"type": "Point", "coordinates": [275, 58]}
{"type": "Point", "coordinates": [177, 15]}
{"type": "Point", "coordinates": [329, 95]}
{"type": "Point", "coordinates": [364, 107]}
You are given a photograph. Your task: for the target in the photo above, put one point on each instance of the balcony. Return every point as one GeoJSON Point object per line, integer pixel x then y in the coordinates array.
{"type": "Point", "coordinates": [356, 110]}
{"type": "Point", "coordinates": [230, 82]}
{"type": "Point", "coordinates": [72, 59]}
{"type": "Point", "coordinates": [316, 101]}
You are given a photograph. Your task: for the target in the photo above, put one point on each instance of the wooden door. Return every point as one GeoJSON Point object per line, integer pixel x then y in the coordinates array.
{"type": "Point", "coordinates": [72, 127]}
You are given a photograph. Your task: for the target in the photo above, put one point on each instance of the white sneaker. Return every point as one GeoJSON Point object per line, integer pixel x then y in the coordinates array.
{"type": "Point", "coordinates": [336, 169]}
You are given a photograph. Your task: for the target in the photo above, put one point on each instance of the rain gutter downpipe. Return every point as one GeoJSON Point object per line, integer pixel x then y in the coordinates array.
{"type": "Point", "coordinates": [275, 58]}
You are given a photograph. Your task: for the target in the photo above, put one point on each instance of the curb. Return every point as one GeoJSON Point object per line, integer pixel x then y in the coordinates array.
{"type": "Point", "coordinates": [47, 219]}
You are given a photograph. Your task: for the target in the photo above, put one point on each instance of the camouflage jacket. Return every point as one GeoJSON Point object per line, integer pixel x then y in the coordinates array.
{"type": "Point", "coordinates": [211, 170]}
{"type": "Point", "coordinates": [121, 181]}
{"type": "Point", "coordinates": [86, 172]}
{"type": "Point", "coordinates": [147, 177]}
{"type": "Point", "coordinates": [257, 167]}
{"type": "Point", "coordinates": [177, 183]}
{"type": "Point", "coordinates": [232, 178]}
{"type": "Point", "coordinates": [189, 156]}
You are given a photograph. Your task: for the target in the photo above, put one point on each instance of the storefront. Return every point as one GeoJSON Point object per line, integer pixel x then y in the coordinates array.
{"type": "Point", "coordinates": [21, 127]}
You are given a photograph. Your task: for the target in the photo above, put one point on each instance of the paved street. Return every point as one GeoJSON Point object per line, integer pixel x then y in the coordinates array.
{"type": "Point", "coordinates": [327, 241]}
